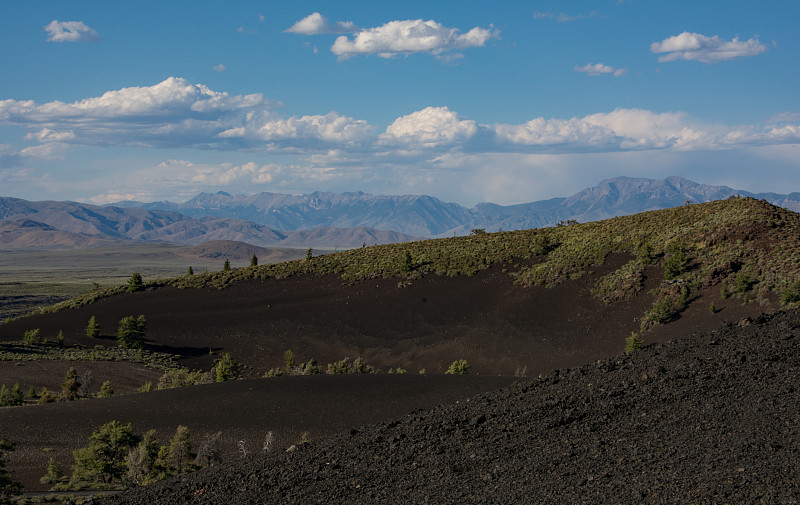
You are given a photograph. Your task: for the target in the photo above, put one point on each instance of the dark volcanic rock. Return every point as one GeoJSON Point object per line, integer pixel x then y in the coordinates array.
{"type": "Point", "coordinates": [709, 418]}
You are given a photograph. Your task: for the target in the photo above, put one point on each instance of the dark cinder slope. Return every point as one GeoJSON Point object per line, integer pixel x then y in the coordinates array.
{"type": "Point", "coordinates": [243, 410]}
{"type": "Point", "coordinates": [706, 419]}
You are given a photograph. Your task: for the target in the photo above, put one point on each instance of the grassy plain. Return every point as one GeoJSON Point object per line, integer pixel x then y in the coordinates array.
{"type": "Point", "coordinates": [33, 279]}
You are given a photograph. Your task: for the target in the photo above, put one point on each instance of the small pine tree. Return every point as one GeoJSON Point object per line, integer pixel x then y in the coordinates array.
{"type": "Point", "coordinates": [53, 473]}
{"type": "Point", "coordinates": [93, 328]}
{"type": "Point", "coordinates": [226, 368]}
{"type": "Point", "coordinates": [288, 360]}
{"type": "Point", "coordinates": [135, 283]}
{"type": "Point", "coordinates": [32, 393]}
{"type": "Point", "coordinates": [60, 339]}
{"type": "Point", "coordinates": [633, 343]}
{"type": "Point", "coordinates": [226, 267]}
{"type": "Point", "coordinates": [132, 332]}
{"type": "Point", "coordinates": [8, 486]}
{"type": "Point", "coordinates": [5, 396]}
{"type": "Point", "coordinates": [254, 260]}
{"type": "Point", "coordinates": [408, 262]}
{"type": "Point", "coordinates": [190, 271]}
{"type": "Point", "coordinates": [181, 457]}
{"type": "Point", "coordinates": [106, 390]}
{"type": "Point", "coordinates": [16, 397]}
{"type": "Point", "coordinates": [309, 253]}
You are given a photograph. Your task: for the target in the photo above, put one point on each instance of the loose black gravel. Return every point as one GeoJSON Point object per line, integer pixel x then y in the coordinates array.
{"type": "Point", "coordinates": [709, 418]}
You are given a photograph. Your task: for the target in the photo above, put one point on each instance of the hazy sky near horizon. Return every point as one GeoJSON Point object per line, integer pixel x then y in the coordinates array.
{"type": "Point", "coordinates": [467, 101]}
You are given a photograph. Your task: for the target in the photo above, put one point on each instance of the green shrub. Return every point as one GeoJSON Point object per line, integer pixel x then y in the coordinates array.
{"type": "Point", "coordinates": [346, 367]}
{"type": "Point", "coordinates": [675, 265]}
{"type": "Point", "coordinates": [226, 368]}
{"type": "Point", "coordinates": [32, 337]}
{"type": "Point", "coordinates": [106, 390]}
{"type": "Point", "coordinates": [661, 312]}
{"type": "Point", "coordinates": [180, 377]}
{"type": "Point", "coordinates": [791, 294]}
{"type": "Point", "coordinates": [458, 367]}
{"type": "Point", "coordinates": [309, 368]}
{"type": "Point", "coordinates": [743, 283]}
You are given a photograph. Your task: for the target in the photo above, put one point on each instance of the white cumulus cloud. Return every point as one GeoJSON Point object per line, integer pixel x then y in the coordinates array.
{"type": "Point", "coordinates": [302, 131]}
{"type": "Point", "coordinates": [410, 36]}
{"type": "Point", "coordinates": [69, 31]}
{"type": "Point", "coordinates": [695, 46]}
{"type": "Point", "coordinates": [315, 23]}
{"type": "Point", "coordinates": [218, 68]}
{"type": "Point", "coordinates": [600, 69]}
{"type": "Point", "coordinates": [430, 127]}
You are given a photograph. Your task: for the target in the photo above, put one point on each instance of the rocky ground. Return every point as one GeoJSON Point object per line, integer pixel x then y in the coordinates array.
{"type": "Point", "coordinates": [707, 418]}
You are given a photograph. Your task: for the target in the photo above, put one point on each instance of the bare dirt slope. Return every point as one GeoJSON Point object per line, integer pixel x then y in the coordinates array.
{"type": "Point", "coordinates": [709, 418]}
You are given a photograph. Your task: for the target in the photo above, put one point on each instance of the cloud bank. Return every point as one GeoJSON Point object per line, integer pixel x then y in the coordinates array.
{"type": "Point", "coordinates": [177, 113]}
{"type": "Point", "coordinates": [695, 46]}
{"type": "Point", "coordinates": [69, 31]}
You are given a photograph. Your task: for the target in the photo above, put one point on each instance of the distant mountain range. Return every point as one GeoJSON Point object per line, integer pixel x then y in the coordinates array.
{"type": "Point", "coordinates": [328, 220]}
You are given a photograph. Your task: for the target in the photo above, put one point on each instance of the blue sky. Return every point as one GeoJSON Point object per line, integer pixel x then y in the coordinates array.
{"type": "Point", "coordinates": [467, 101]}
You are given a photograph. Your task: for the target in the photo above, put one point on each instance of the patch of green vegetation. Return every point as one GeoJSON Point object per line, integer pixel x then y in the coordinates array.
{"type": "Point", "coordinates": [17, 351]}
{"type": "Point", "coordinates": [621, 284]}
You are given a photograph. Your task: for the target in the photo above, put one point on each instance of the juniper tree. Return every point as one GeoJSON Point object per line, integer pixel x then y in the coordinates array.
{"type": "Point", "coordinates": [226, 267]}
{"type": "Point", "coordinates": [254, 260]}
